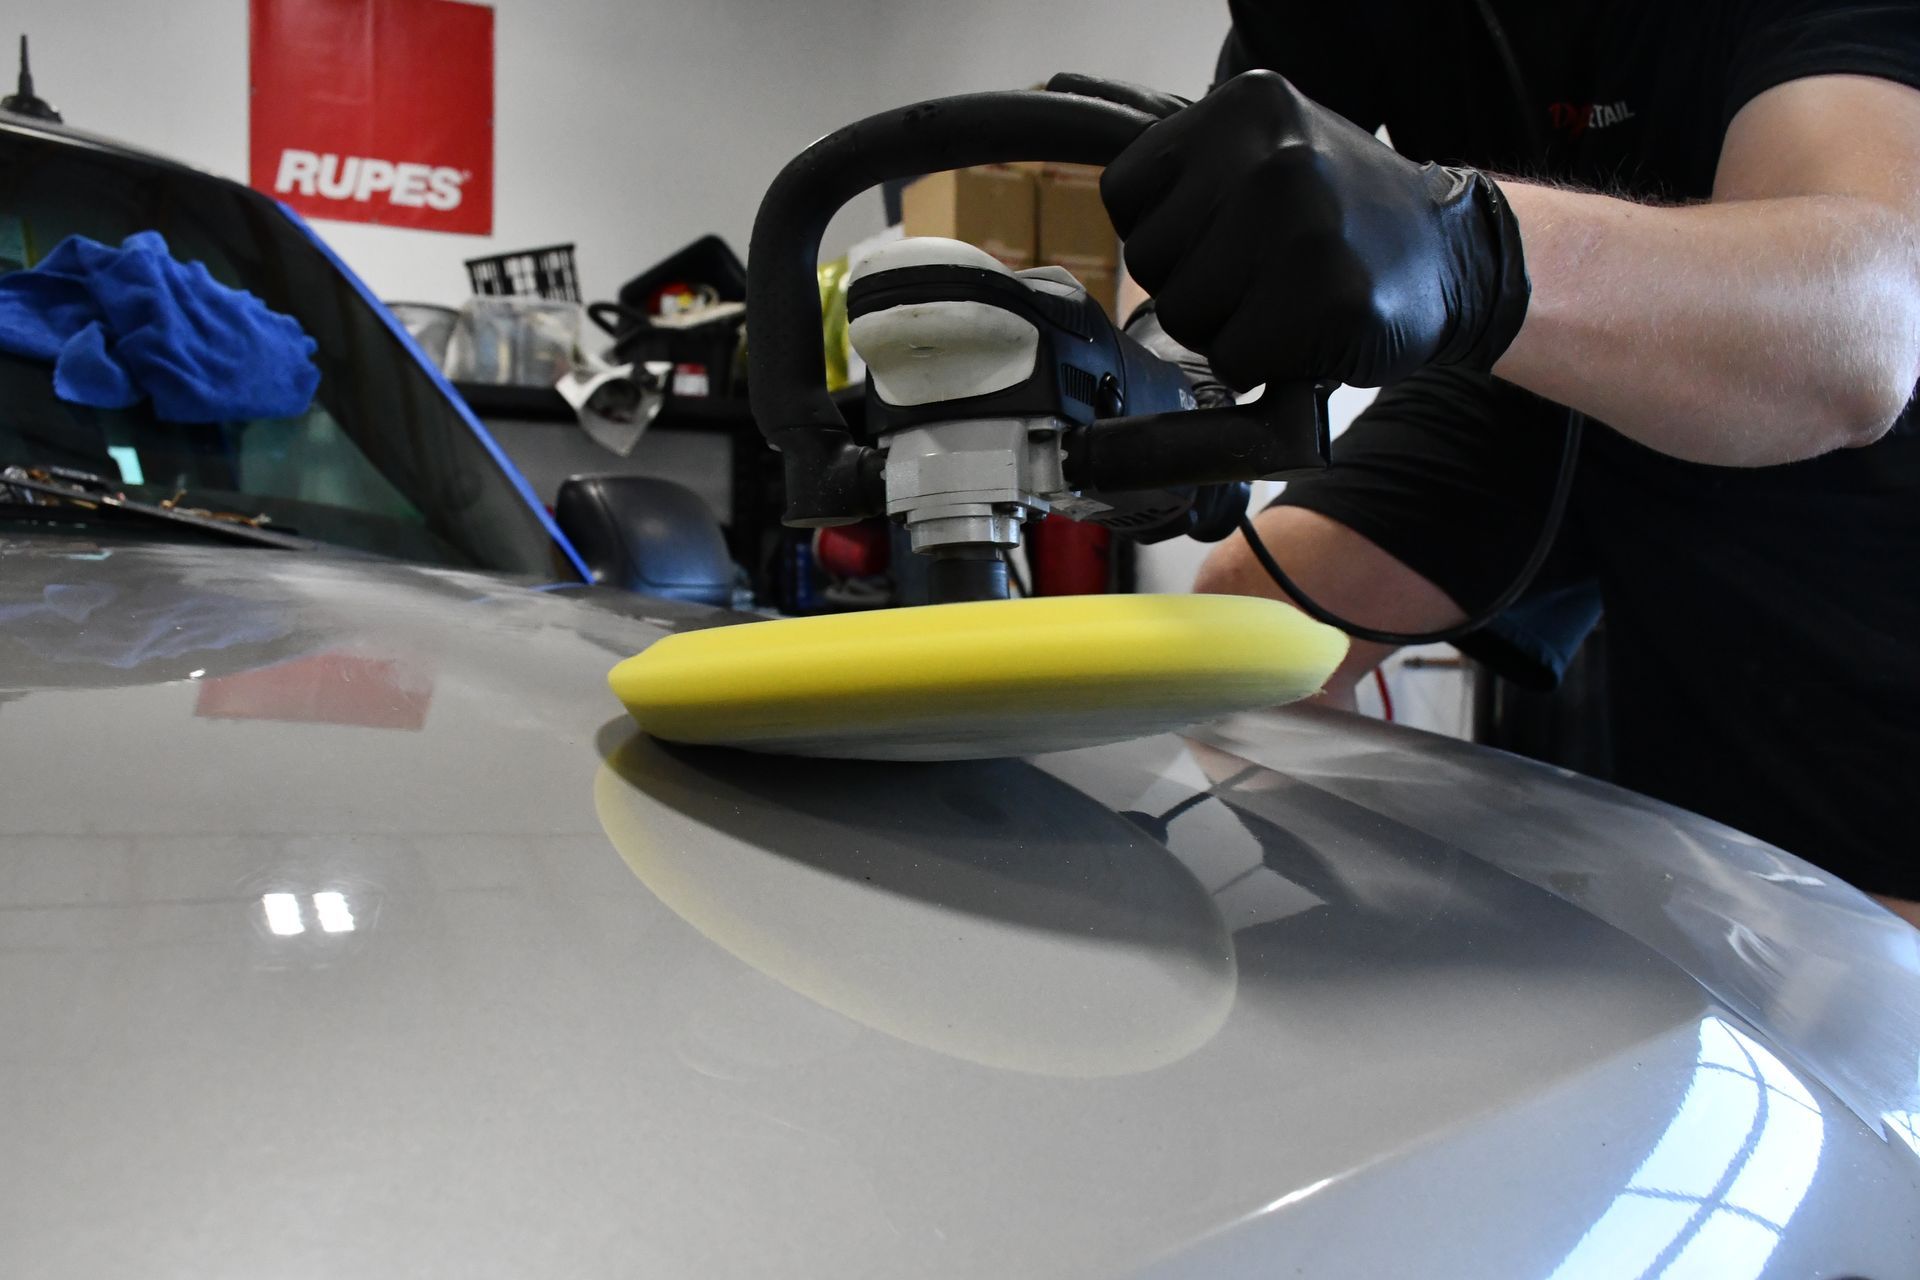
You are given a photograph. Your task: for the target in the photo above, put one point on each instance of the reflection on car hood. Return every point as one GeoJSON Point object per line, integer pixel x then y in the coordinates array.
{"type": "Point", "coordinates": [350, 929]}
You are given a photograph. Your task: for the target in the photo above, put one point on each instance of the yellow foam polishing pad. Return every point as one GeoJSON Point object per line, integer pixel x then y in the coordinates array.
{"type": "Point", "coordinates": [976, 680]}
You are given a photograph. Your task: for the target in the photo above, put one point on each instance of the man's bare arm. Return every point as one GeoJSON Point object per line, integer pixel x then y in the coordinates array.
{"type": "Point", "coordinates": [1777, 322]}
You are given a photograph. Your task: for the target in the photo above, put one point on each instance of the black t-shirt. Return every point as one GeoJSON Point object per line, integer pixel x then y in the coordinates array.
{"type": "Point", "coordinates": [1764, 625]}
{"type": "Point", "coordinates": [1632, 96]}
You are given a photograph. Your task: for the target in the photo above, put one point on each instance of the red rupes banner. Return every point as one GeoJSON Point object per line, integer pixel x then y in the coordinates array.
{"type": "Point", "coordinates": [375, 110]}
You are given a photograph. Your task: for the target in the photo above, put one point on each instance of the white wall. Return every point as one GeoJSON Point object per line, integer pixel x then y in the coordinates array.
{"type": "Point", "coordinates": [930, 47]}
{"type": "Point", "coordinates": [628, 127]}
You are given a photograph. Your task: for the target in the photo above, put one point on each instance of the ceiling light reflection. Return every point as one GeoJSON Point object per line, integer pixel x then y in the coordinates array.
{"type": "Point", "coordinates": [331, 909]}
{"type": "Point", "coordinates": [283, 913]}
{"type": "Point", "coordinates": [1717, 1191]}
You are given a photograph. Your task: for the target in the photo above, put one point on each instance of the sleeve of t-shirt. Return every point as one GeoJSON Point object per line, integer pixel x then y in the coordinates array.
{"type": "Point", "coordinates": [1782, 40]}
{"type": "Point", "coordinates": [1319, 46]}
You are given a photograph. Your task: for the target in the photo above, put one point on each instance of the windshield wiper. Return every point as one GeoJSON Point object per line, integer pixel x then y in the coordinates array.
{"type": "Point", "coordinates": [65, 488]}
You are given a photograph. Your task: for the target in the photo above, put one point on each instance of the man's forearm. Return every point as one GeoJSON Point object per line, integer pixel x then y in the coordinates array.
{"type": "Point", "coordinates": [1742, 332]}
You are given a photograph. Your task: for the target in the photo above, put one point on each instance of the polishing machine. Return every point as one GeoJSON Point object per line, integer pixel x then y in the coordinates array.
{"type": "Point", "coordinates": [993, 396]}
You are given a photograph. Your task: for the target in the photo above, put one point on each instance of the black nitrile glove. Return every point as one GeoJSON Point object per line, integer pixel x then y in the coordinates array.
{"type": "Point", "coordinates": [1288, 244]}
{"type": "Point", "coordinates": [1216, 508]}
{"type": "Point", "coordinates": [1144, 327]}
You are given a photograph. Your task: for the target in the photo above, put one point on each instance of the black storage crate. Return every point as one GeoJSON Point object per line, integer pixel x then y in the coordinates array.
{"type": "Point", "coordinates": [636, 338]}
{"type": "Point", "coordinates": [530, 273]}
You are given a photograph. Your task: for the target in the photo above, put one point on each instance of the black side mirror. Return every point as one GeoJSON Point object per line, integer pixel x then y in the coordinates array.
{"type": "Point", "coordinates": [647, 535]}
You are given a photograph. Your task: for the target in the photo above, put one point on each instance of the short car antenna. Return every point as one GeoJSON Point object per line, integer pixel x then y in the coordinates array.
{"type": "Point", "coordinates": [23, 102]}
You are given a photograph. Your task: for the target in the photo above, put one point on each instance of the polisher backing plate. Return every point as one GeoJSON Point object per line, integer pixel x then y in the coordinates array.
{"type": "Point", "coordinates": [976, 680]}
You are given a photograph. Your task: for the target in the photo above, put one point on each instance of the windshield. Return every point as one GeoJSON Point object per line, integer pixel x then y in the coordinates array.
{"type": "Point", "coordinates": [381, 462]}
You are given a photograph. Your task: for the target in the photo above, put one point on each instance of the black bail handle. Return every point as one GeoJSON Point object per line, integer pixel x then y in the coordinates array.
{"type": "Point", "coordinates": [831, 478]}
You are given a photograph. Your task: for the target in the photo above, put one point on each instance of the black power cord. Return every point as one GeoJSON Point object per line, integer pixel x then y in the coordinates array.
{"type": "Point", "coordinates": [1542, 547]}
{"type": "Point", "coordinates": [1569, 449]}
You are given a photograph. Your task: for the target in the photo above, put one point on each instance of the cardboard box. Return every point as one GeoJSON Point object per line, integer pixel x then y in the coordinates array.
{"type": "Point", "coordinates": [1073, 230]}
{"type": "Point", "coordinates": [1023, 214]}
{"type": "Point", "coordinates": [993, 207]}
{"type": "Point", "coordinates": [1073, 224]}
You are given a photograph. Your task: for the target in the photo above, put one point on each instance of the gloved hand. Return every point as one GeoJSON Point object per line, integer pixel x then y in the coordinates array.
{"type": "Point", "coordinates": [1144, 327]}
{"type": "Point", "coordinates": [1288, 244]}
{"type": "Point", "coordinates": [1216, 508]}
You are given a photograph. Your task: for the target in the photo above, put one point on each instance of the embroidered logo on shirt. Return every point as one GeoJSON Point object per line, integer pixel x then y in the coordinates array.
{"type": "Point", "coordinates": [1575, 118]}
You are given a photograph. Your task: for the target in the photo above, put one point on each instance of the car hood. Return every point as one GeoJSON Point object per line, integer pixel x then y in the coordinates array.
{"type": "Point", "coordinates": [351, 929]}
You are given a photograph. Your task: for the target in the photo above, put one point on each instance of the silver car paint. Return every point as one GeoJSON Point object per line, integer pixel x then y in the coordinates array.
{"type": "Point", "coordinates": [1296, 994]}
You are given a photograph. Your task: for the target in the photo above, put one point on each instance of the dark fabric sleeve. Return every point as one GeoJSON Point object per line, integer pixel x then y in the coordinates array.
{"type": "Point", "coordinates": [1323, 48]}
{"type": "Point", "coordinates": [1781, 40]}
{"type": "Point", "coordinates": [1234, 59]}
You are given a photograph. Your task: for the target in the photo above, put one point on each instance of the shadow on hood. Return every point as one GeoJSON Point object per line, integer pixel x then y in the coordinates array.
{"type": "Point", "coordinates": [985, 910]}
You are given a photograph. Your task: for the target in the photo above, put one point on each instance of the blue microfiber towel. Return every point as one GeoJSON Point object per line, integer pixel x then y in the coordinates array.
{"type": "Point", "coordinates": [123, 324]}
